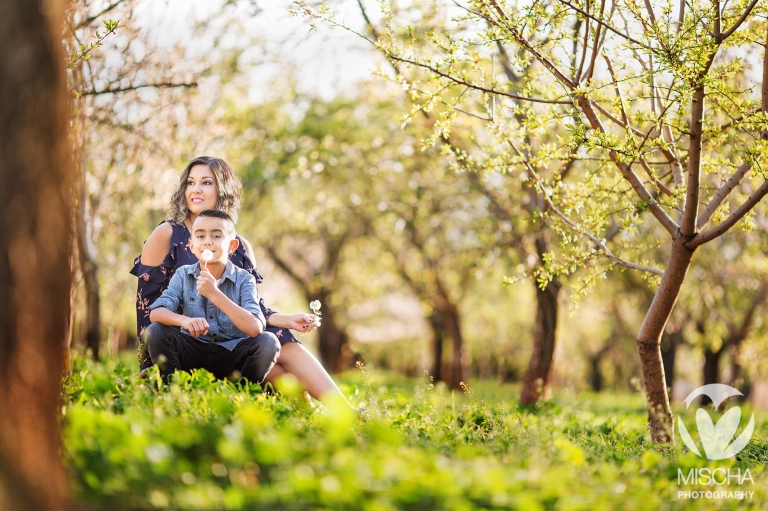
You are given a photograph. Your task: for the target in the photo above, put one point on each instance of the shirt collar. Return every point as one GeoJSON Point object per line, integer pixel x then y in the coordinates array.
{"type": "Point", "coordinates": [229, 271]}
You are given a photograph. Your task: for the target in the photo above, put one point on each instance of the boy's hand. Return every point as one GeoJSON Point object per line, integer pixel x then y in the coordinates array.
{"type": "Point", "coordinates": [196, 326]}
{"type": "Point", "coordinates": [206, 284]}
{"type": "Point", "coordinates": [302, 322]}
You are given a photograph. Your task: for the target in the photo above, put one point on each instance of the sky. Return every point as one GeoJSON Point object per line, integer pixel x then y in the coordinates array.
{"type": "Point", "coordinates": [325, 62]}
{"type": "Point", "coordinates": [329, 59]}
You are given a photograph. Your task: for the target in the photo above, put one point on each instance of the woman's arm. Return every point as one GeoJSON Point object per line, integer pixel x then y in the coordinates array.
{"type": "Point", "coordinates": [157, 245]}
{"type": "Point", "coordinates": [248, 250]}
{"type": "Point", "coordinates": [300, 322]}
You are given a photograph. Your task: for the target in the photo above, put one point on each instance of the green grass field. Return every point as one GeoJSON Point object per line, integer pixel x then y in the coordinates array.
{"type": "Point", "coordinates": [206, 444]}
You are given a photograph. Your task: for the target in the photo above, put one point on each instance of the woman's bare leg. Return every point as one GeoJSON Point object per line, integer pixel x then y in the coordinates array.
{"type": "Point", "coordinates": [274, 373]}
{"type": "Point", "coordinates": [296, 360]}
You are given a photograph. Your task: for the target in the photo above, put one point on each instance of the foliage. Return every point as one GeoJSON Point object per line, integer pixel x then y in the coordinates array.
{"type": "Point", "coordinates": [202, 443]}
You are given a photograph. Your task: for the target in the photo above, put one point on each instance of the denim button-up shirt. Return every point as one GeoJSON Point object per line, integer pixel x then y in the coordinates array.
{"type": "Point", "coordinates": [182, 297]}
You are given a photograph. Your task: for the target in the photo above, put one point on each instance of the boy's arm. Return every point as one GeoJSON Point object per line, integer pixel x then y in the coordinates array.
{"type": "Point", "coordinates": [163, 309]}
{"type": "Point", "coordinates": [247, 317]}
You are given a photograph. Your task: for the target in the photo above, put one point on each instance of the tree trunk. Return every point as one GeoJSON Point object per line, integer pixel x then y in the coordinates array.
{"type": "Point", "coordinates": [333, 342]}
{"type": "Point", "coordinates": [669, 343]}
{"type": "Point", "coordinates": [438, 330]}
{"type": "Point", "coordinates": [736, 379]}
{"type": "Point", "coordinates": [87, 252]}
{"type": "Point", "coordinates": [537, 382]}
{"type": "Point", "coordinates": [67, 344]}
{"type": "Point", "coordinates": [453, 331]}
{"type": "Point", "coordinates": [649, 341]}
{"type": "Point", "coordinates": [35, 198]}
{"type": "Point", "coordinates": [711, 370]}
{"type": "Point", "coordinates": [712, 366]}
{"type": "Point", "coordinates": [93, 316]}
{"type": "Point", "coordinates": [595, 376]}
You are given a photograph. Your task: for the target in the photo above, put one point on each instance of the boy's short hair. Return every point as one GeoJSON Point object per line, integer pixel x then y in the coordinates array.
{"type": "Point", "coordinates": [217, 213]}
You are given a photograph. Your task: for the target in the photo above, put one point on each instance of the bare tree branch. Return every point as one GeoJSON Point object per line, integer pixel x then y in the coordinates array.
{"type": "Point", "coordinates": [527, 45]}
{"type": "Point", "coordinates": [718, 19]}
{"type": "Point", "coordinates": [690, 211]}
{"type": "Point", "coordinates": [87, 21]}
{"type": "Point", "coordinates": [594, 239]}
{"type": "Point", "coordinates": [649, 8]}
{"type": "Point", "coordinates": [304, 283]}
{"type": "Point", "coordinates": [585, 44]}
{"type": "Point", "coordinates": [624, 116]}
{"type": "Point", "coordinates": [681, 16]}
{"type": "Point", "coordinates": [653, 206]}
{"type": "Point", "coordinates": [596, 44]}
{"type": "Point", "coordinates": [602, 23]}
{"type": "Point", "coordinates": [726, 189]}
{"type": "Point", "coordinates": [473, 86]}
{"type": "Point", "coordinates": [721, 195]}
{"type": "Point", "coordinates": [729, 222]}
{"type": "Point", "coordinates": [738, 23]}
{"type": "Point", "coordinates": [661, 186]}
{"type": "Point", "coordinates": [134, 87]}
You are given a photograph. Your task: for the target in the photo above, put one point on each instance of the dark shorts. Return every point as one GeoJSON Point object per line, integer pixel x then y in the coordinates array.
{"type": "Point", "coordinates": [283, 335]}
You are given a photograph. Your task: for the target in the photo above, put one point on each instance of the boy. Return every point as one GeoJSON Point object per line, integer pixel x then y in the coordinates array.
{"type": "Point", "coordinates": [222, 328]}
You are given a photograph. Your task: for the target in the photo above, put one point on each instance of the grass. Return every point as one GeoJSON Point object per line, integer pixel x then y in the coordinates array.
{"type": "Point", "coordinates": [206, 444]}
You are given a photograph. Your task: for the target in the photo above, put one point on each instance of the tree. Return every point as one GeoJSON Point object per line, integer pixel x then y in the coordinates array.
{"type": "Point", "coordinates": [35, 164]}
{"type": "Point", "coordinates": [725, 306]}
{"type": "Point", "coordinates": [660, 108]}
{"type": "Point", "coordinates": [300, 181]}
{"type": "Point", "coordinates": [515, 211]}
{"type": "Point", "coordinates": [439, 235]}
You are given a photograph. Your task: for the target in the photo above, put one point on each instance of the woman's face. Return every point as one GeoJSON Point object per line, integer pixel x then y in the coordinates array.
{"type": "Point", "coordinates": [201, 193]}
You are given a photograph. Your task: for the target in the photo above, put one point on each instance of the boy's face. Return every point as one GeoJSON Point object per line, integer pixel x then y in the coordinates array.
{"type": "Point", "coordinates": [214, 234]}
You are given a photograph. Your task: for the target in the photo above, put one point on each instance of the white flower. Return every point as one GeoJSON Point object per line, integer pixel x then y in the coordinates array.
{"type": "Point", "coordinates": [314, 305]}
{"type": "Point", "coordinates": [207, 255]}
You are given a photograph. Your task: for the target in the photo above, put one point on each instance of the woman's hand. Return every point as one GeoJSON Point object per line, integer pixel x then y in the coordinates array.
{"type": "Point", "coordinates": [301, 322]}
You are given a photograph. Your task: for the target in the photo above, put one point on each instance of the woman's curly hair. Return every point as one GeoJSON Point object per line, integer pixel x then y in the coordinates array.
{"type": "Point", "coordinates": [227, 186]}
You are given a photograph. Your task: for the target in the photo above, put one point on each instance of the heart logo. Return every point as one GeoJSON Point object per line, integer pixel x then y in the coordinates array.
{"type": "Point", "coordinates": [716, 438]}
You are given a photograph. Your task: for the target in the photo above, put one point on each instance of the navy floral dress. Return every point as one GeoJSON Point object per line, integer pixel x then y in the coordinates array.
{"type": "Point", "coordinates": [154, 279]}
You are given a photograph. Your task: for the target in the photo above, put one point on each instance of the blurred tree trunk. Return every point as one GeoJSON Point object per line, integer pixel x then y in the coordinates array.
{"type": "Point", "coordinates": [35, 165]}
{"type": "Point", "coordinates": [333, 348]}
{"type": "Point", "coordinates": [436, 324]}
{"type": "Point", "coordinates": [737, 333]}
{"type": "Point", "coordinates": [537, 382]}
{"type": "Point", "coordinates": [736, 379]}
{"type": "Point", "coordinates": [87, 252]}
{"type": "Point", "coordinates": [452, 330]}
{"type": "Point", "coordinates": [712, 365]}
{"type": "Point", "coordinates": [596, 376]}
{"type": "Point", "coordinates": [319, 283]}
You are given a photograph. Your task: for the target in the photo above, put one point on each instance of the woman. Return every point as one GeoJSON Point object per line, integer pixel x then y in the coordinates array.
{"type": "Point", "coordinates": [210, 183]}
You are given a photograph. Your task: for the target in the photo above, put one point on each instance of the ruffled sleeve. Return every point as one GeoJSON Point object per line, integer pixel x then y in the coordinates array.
{"type": "Point", "coordinates": [152, 282]}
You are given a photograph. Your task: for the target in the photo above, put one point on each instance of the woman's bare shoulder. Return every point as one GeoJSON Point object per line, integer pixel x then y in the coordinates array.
{"type": "Point", "coordinates": [157, 245]}
{"type": "Point", "coordinates": [248, 249]}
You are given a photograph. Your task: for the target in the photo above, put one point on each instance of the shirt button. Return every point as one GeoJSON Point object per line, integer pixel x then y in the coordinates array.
{"type": "Point", "coordinates": [210, 317]}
